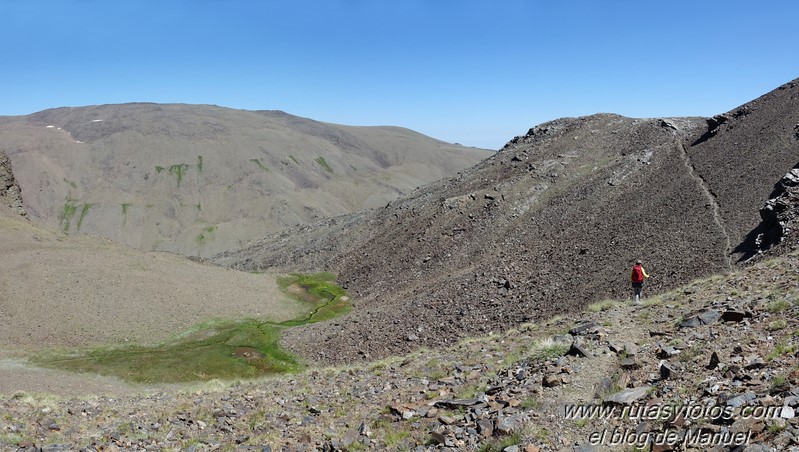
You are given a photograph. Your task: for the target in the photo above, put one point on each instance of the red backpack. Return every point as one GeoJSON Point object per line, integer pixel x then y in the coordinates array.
{"type": "Point", "coordinates": [638, 274]}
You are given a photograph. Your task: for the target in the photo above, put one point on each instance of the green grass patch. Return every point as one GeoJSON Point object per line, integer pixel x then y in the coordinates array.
{"type": "Point", "coordinates": [260, 164]}
{"type": "Point", "coordinates": [776, 325]}
{"type": "Point", "coordinates": [778, 306]}
{"type": "Point", "coordinates": [83, 211]}
{"type": "Point", "coordinates": [67, 212]}
{"type": "Point", "coordinates": [603, 305]}
{"type": "Point", "coordinates": [323, 163]}
{"type": "Point", "coordinates": [178, 170]}
{"type": "Point", "coordinates": [781, 349]}
{"type": "Point", "coordinates": [547, 349]}
{"type": "Point", "coordinates": [206, 235]}
{"type": "Point", "coordinates": [220, 349]}
{"type": "Point", "coordinates": [500, 444]}
{"type": "Point", "coordinates": [215, 350]}
{"type": "Point", "coordinates": [319, 291]}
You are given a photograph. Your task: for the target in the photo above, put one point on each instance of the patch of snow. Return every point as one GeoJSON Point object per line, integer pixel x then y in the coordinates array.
{"type": "Point", "coordinates": [76, 141]}
{"type": "Point", "coordinates": [97, 120]}
{"type": "Point", "coordinates": [50, 127]}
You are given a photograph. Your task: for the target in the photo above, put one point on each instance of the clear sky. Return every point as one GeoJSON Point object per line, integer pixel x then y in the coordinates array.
{"type": "Point", "coordinates": [467, 71]}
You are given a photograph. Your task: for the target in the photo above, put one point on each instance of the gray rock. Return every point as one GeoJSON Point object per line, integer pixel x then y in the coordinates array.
{"type": "Point", "coordinates": [437, 438]}
{"type": "Point", "coordinates": [629, 364]}
{"type": "Point", "coordinates": [628, 396]}
{"type": "Point", "coordinates": [667, 352]}
{"type": "Point", "coordinates": [585, 328]}
{"type": "Point", "coordinates": [709, 317]}
{"type": "Point", "coordinates": [485, 427]}
{"type": "Point", "coordinates": [577, 349]}
{"type": "Point", "coordinates": [506, 425]}
{"type": "Point", "coordinates": [690, 322]}
{"type": "Point", "coordinates": [741, 399]}
{"type": "Point", "coordinates": [630, 349]}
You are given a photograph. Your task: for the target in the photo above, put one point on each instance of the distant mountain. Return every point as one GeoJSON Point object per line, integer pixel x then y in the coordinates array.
{"type": "Point", "coordinates": [198, 180]}
{"type": "Point", "coordinates": [548, 225]}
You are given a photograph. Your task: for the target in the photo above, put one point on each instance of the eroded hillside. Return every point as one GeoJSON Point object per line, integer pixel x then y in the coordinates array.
{"type": "Point", "coordinates": [198, 180]}
{"type": "Point", "coordinates": [548, 225]}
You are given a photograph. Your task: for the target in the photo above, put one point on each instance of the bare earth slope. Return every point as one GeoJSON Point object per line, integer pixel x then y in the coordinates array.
{"type": "Point", "coordinates": [198, 180]}
{"type": "Point", "coordinates": [61, 291]}
{"type": "Point", "coordinates": [548, 225]}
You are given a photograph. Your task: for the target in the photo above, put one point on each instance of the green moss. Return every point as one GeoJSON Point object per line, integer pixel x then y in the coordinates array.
{"type": "Point", "coordinates": [178, 170]}
{"type": "Point", "coordinates": [260, 165]}
{"type": "Point", "coordinates": [83, 211]}
{"type": "Point", "coordinates": [67, 212]}
{"type": "Point", "coordinates": [323, 163]}
{"type": "Point", "coordinates": [215, 350]}
{"type": "Point", "coordinates": [219, 349]}
{"type": "Point", "coordinates": [158, 169]}
{"type": "Point", "coordinates": [320, 292]}
{"type": "Point", "coordinates": [206, 235]}
{"type": "Point", "coordinates": [200, 163]}
{"type": "Point", "coordinates": [125, 207]}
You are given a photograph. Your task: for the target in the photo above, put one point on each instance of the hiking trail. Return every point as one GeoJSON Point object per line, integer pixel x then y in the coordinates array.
{"type": "Point", "coordinates": [713, 199]}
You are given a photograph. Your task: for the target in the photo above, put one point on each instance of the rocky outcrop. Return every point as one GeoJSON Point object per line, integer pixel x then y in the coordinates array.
{"type": "Point", "coordinates": [780, 215]}
{"type": "Point", "coordinates": [10, 193]}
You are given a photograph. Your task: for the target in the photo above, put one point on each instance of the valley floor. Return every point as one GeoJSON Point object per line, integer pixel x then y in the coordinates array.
{"type": "Point", "coordinates": [726, 341]}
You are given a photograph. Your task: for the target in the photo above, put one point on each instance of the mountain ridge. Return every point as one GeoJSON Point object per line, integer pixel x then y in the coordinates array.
{"type": "Point", "coordinates": [197, 180]}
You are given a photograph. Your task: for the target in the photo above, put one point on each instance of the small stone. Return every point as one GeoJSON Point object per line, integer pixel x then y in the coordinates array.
{"type": "Point", "coordinates": [691, 322]}
{"type": "Point", "coordinates": [447, 420]}
{"type": "Point", "coordinates": [714, 361]}
{"type": "Point", "coordinates": [709, 317]}
{"type": "Point", "coordinates": [438, 438]}
{"type": "Point", "coordinates": [506, 425]}
{"type": "Point", "coordinates": [550, 381]}
{"type": "Point", "coordinates": [485, 427]}
{"type": "Point", "coordinates": [733, 316]}
{"type": "Point", "coordinates": [665, 370]}
{"type": "Point", "coordinates": [577, 350]}
{"type": "Point", "coordinates": [629, 364]}
{"type": "Point", "coordinates": [628, 396]}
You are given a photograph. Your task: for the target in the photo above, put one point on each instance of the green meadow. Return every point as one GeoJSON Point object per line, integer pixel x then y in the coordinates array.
{"type": "Point", "coordinates": [217, 349]}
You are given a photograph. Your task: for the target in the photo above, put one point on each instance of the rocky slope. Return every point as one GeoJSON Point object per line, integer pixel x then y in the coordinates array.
{"type": "Point", "coordinates": [198, 180]}
{"type": "Point", "coordinates": [548, 225]}
{"type": "Point", "coordinates": [714, 361]}
{"type": "Point", "coordinates": [10, 193]}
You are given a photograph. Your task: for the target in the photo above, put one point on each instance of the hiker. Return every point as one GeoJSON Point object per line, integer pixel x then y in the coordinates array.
{"type": "Point", "coordinates": [637, 277]}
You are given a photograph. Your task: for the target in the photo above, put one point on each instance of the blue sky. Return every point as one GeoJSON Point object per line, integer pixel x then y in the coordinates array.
{"type": "Point", "coordinates": [467, 71]}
